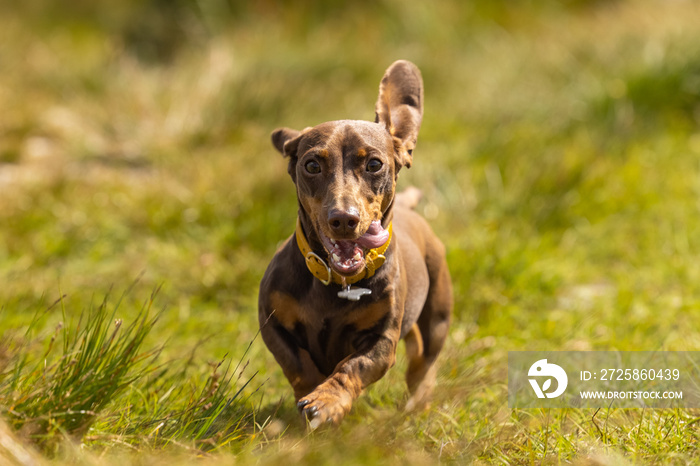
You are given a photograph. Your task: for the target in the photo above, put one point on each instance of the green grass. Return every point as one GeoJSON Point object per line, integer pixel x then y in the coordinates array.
{"type": "Point", "coordinates": [93, 382]}
{"type": "Point", "coordinates": [558, 158]}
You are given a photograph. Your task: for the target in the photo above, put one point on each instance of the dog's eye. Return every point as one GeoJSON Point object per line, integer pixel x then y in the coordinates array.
{"type": "Point", "coordinates": [374, 165]}
{"type": "Point", "coordinates": [313, 167]}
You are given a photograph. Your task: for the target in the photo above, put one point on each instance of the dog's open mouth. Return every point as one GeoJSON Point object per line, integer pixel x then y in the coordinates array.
{"type": "Point", "coordinates": [347, 257]}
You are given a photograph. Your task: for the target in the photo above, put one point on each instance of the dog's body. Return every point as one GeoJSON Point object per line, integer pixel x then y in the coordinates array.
{"type": "Point", "coordinates": [345, 172]}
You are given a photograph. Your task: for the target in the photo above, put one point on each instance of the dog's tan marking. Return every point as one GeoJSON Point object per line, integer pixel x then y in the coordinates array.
{"type": "Point", "coordinates": [287, 310]}
{"type": "Point", "coordinates": [371, 315]}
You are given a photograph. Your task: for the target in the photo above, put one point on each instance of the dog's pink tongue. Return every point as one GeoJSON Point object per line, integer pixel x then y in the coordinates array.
{"type": "Point", "coordinates": [376, 236]}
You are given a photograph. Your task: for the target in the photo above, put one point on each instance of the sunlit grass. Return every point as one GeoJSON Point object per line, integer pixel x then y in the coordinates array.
{"type": "Point", "coordinates": [92, 381]}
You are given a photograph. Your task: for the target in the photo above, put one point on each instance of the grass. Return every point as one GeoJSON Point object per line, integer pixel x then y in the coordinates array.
{"type": "Point", "coordinates": [97, 361]}
{"type": "Point", "coordinates": [93, 382]}
{"type": "Point", "coordinates": [559, 162]}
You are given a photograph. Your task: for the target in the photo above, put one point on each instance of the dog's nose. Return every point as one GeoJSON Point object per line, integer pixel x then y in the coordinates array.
{"type": "Point", "coordinates": [343, 222]}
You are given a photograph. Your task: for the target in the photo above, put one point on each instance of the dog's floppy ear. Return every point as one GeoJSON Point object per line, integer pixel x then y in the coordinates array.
{"type": "Point", "coordinates": [286, 141]}
{"type": "Point", "coordinates": [400, 107]}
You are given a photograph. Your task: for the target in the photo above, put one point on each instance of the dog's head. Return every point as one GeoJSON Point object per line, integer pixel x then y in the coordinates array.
{"type": "Point", "coordinates": [345, 171]}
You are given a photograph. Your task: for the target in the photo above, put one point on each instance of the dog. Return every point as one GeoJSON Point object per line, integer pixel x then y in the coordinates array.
{"type": "Point", "coordinates": [333, 339]}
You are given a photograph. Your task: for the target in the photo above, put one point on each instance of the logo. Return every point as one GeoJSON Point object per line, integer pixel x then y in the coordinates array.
{"type": "Point", "coordinates": [542, 368]}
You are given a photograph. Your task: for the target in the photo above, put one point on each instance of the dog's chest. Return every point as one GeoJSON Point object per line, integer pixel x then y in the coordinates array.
{"type": "Point", "coordinates": [331, 333]}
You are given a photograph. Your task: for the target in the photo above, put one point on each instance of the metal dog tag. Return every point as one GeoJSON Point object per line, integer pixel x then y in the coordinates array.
{"type": "Point", "coordinates": [353, 293]}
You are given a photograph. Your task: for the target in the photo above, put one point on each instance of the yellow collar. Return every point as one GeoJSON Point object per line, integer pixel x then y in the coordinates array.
{"type": "Point", "coordinates": [319, 269]}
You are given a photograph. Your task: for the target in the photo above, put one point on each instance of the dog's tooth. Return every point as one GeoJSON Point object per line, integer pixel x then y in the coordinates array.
{"type": "Point", "coordinates": [336, 257]}
{"type": "Point", "coordinates": [357, 256]}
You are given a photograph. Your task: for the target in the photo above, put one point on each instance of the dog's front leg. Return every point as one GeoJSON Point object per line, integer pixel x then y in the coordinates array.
{"type": "Point", "coordinates": [333, 398]}
{"type": "Point", "coordinates": [296, 363]}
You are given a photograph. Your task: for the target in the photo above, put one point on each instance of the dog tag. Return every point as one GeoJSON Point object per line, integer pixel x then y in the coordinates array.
{"type": "Point", "coordinates": [353, 293]}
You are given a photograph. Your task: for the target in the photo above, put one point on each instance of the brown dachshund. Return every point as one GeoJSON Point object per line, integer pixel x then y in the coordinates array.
{"type": "Point", "coordinates": [333, 339]}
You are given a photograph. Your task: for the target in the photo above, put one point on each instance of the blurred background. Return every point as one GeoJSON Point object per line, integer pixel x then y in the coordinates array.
{"type": "Point", "coordinates": [134, 136]}
{"type": "Point", "coordinates": [559, 158]}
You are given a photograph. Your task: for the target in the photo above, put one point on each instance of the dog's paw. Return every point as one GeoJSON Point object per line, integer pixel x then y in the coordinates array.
{"type": "Point", "coordinates": [325, 406]}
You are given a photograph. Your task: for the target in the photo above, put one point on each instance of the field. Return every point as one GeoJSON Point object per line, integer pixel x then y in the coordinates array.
{"type": "Point", "coordinates": [559, 158]}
